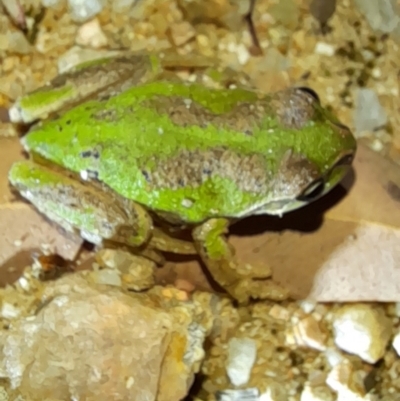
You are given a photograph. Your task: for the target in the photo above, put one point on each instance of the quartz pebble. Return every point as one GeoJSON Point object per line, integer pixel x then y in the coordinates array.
{"type": "Point", "coordinates": [274, 392]}
{"type": "Point", "coordinates": [307, 332]}
{"type": "Point", "coordinates": [317, 393]}
{"type": "Point", "coordinates": [122, 5]}
{"type": "Point", "coordinates": [279, 312]}
{"type": "Point", "coordinates": [396, 343]}
{"type": "Point", "coordinates": [181, 33]}
{"type": "Point", "coordinates": [18, 43]}
{"type": "Point", "coordinates": [84, 10]}
{"type": "Point", "coordinates": [347, 382]}
{"type": "Point", "coordinates": [242, 354]}
{"type": "Point", "coordinates": [124, 269]}
{"type": "Point", "coordinates": [90, 34]}
{"type": "Point", "coordinates": [382, 15]}
{"type": "Point", "coordinates": [369, 114]}
{"type": "Point", "coordinates": [362, 330]}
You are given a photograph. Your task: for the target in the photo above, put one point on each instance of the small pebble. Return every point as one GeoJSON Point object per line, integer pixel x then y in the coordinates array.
{"type": "Point", "coordinates": [308, 333]}
{"type": "Point", "coordinates": [242, 354]}
{"type": "Point", "coordinates": [362, 330]}
{"type": "Point", "coordinates": [318, 393]}
{"type": "Point", "coordinates": [324, 49]}
{"type": "Point", "coordinates": [91, 35]}
{"type": "Point", "coordinates": [396, 343]}
{"type": "Point", "coordinates": [84, 10]}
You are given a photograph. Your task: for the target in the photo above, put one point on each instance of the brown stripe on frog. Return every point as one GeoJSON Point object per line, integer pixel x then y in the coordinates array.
{"type": "Point", "coordinates": [103, 78]}
{"type": "Point", "coordinates": [243, 117]}
{"type": "Point", "coordinates": [116, 219]}
{"type": "Point", "coordinates": [294, 175]}
{"type": "Point", "coordinates": [191, 168]}
{"type": "Point", "coordinates": [293, 108]}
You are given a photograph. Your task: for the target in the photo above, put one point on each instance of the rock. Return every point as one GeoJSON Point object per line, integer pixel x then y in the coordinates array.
{"type": "Point", "coordinates": [181, 32]}
{"type": "Point", "coordinates": [279, 312]}
{"type": "Point", "coordinates": [322, 10]}
{"type": "Point", "coordinates": [82, 11]}
{"type": "Point", "coordinates": [307, 332]}
{"type": "Point", "coordinates": [124, 269]}
{"type": "Point", "coordinates": [368, 114]}
{"type": "Point", "coordinates": [396, 343]}
{"type": "Point", "coordinates": [318, 393]}
{"type": "Point", "coordinates": [382, 15]}
{"type": "Point", "coordinates": [119, 6]}
{"type": "Point", "coordinates": [91, 35]}
{"type": "Point", "coordinates": [226, 13]}
{"type": "Point", "coordinates": [274, 392]}
{"type": "Point", "coordinates": [324, 49]}
{"type": "Point", "coordinates": [248, 394]}
{"type": "Point", "coordinates": [333, 356]}
{"type": "Point", "coordinates": [362, 330]}
{"type": "Point", "coordinates": [242, 354]}
{"type": "Point", "coordinates": [17, 43]}
{"type": "Point", "coordinates": [347, 383]}
{"type": "Point", "coordinates": [52, 3]}
{"type": "Point", "coordinates": [98, 343]}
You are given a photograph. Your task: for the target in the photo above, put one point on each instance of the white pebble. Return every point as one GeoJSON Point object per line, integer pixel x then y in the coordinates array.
{"type": "Point", "coordinates": [9, 311]}
{"type": "Point", "coordinates": [324, 49]}
{"type": "Point", "coordinates": [243, 54]}
{"type": "Point", "coordinates": [396, 343]}
{"type": "Point", "coordinates": [362, 330]}
{"type": "Point", "coordinates": [307, 333]}
{"type": "Point", "coordinates": [307, 305]}
{"type": "Point", "coordinates": [241, 357]}
{"type": "Point", "coordinates": [368, 114]}
{"type": "Point", "coordinates": [319, 393]}
{"type": "Point", "coordinates": [91, 35]}
{"type": "Point", "coordinates": [84, 10]}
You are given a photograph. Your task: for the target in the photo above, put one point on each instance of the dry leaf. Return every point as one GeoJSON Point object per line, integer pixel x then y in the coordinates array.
{"type": "Point", "coordinates": [22, 229]}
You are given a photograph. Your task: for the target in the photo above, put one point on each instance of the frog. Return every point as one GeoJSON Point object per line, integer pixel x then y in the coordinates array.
{"type": "Point", "coordinates": [120, 151]}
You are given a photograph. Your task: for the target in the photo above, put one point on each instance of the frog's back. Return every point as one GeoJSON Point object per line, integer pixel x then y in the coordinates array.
{"type": "Point", "coordinates": [190, 152]}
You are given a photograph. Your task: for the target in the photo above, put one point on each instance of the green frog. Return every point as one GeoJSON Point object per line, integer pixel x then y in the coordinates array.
{"type": "Point", "coordinates": [121, 152]}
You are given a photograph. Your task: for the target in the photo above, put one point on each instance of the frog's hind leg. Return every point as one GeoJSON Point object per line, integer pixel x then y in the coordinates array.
{"type": "Point", "coordinates": [81, 207]}
{"type": "Point", "coordinates": [241, 282]}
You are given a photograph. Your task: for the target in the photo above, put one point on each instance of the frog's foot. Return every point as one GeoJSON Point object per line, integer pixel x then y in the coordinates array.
{"type": "Point", "coordinates": [241, 282]}
{"type": "Point", "coordinates": [165, 243]}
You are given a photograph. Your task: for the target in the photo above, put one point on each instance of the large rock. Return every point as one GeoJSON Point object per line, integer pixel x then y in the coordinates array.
{"type": "Point", "coordinates": [94, 342]}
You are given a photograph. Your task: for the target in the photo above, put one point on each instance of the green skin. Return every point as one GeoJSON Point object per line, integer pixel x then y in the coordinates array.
{"type": "Point", "coordinates": [191, 156]}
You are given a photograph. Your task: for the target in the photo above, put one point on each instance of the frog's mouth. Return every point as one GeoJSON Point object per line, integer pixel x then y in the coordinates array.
{"type": "Point", "coordinates": [313, 191]}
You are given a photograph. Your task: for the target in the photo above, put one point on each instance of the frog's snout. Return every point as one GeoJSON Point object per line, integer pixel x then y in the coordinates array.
{"type": "Point", "coordinates": [313, 191]}
{"type": "Point", "coordinates": [333, 176]}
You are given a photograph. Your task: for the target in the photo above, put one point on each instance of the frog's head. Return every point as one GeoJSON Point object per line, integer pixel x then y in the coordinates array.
{"type": "Point", "coordinates": [316, 152]}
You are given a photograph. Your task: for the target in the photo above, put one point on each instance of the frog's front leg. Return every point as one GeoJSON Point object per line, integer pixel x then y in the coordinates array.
{"type": "Point", "coordinates": [241, 282]}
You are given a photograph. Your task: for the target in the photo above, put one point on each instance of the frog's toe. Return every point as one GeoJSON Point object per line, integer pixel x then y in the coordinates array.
{"type": "Point", "coordinates": [248, 289]}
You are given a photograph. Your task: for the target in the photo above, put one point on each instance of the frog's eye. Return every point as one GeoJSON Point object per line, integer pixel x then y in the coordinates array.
{"type": "Point", "coordinates": [313, 191]}
{"type": "Point", "coordinates": [311, 92]}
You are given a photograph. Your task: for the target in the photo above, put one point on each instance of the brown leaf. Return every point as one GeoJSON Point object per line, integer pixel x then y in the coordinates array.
{"type": "Point", "coordinates": [24, 231]}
